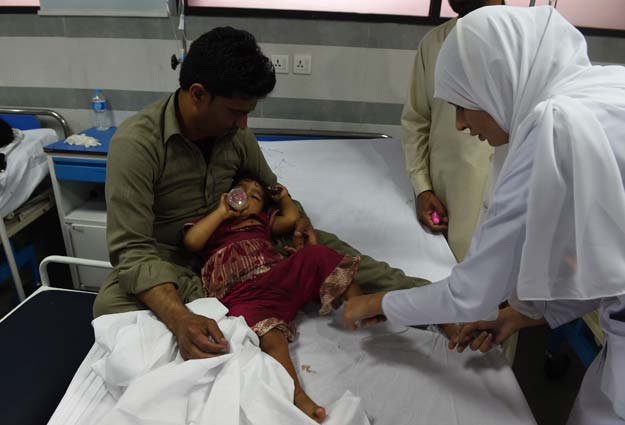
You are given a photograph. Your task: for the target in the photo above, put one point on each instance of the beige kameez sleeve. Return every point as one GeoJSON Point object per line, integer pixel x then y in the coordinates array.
{"type": "Point", "coordinates": [415, 122]}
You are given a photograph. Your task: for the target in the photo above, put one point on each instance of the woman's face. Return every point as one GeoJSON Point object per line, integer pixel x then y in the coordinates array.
{"type": "Point", "coordinates": [480, 124]}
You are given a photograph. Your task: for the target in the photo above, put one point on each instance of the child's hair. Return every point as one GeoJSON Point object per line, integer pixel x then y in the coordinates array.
{"type": "Point", "coordinates": [248, 177]}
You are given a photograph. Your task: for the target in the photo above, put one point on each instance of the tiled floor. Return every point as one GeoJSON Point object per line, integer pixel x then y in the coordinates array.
{"type": "Point", "coordinates": [550, 400]}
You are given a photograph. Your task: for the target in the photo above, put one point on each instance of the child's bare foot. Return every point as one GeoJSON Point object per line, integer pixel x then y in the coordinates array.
{"type": "Point", "coordinates": [306, 405]}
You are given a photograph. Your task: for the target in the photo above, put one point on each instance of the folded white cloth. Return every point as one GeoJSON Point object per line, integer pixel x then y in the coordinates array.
{"type": "Point", "coordinates": [142, 369]}
{"type": "Point", "coordinates": [82, 140]}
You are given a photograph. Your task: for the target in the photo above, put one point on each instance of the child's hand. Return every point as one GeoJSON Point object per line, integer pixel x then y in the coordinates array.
{"type": "Point", "coordinates": [278, 192]}
{"type": "Point", "coordinates": [226, 210]}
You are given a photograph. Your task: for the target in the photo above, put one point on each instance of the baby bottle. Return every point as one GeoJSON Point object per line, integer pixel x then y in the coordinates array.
{"type": "Point", "coordinates": [237, 198]}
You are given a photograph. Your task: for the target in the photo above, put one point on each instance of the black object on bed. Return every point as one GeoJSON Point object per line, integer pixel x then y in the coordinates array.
{"type": "Point", "coordinates": [42, 344]}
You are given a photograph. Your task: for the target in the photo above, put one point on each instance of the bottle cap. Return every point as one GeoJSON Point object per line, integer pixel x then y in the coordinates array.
{"type": "Point", "coordinates": [436, 219]}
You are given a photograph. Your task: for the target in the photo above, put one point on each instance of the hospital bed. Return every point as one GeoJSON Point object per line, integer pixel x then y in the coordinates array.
{"type": "Point", "coordinates": [402, 375]}
{"type": "Point", "coordinates": [26, 169]}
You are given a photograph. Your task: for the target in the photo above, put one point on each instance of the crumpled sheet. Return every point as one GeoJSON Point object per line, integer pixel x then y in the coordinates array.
{"type": "Point", "coordinates": [141, 377]}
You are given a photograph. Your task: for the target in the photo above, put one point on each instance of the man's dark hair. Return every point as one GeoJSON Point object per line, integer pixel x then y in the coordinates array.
{"type": "Point", "coordinates": [464, 7]}
{"type": "Point", "coordinates": [6, 133]}
{"type": "Point", "coordinates": [228, 63]}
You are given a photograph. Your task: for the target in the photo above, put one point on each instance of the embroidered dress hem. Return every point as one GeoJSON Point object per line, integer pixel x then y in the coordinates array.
{"type": "Point", "coordinates": [264, 326]}
{"type": "Point", "coordinates": [337, 283]}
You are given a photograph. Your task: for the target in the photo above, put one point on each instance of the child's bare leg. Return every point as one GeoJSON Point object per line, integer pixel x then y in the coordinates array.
{"type": "Point", "coordinates": [275, 344]}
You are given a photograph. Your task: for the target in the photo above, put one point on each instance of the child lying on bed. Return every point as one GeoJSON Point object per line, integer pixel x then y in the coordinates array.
{"type": "Point", "coordinates": [253, 280]}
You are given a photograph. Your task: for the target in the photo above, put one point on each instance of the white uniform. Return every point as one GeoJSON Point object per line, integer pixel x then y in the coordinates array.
{"type": "Point", "coordinates": [554, 233]}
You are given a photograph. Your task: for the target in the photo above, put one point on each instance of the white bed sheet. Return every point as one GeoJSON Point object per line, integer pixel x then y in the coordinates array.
{"type": "Point", "coordinates": [358, 189]}
{"type": "Point", "coordinates": [26, 168]}
{"type": "Point", "coordinates": [403, 376]}
{"type": "Point", "coordinates": [139, 366]}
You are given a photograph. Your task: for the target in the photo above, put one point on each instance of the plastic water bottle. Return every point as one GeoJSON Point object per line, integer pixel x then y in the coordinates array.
{"type": "Point", "coordinates": [101, 119]}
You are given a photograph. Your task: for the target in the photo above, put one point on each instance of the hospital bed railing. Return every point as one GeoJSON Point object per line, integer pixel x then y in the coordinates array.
{"type": "Point", "coordinates": [322, 134]}
{"type": "Point", "coordinates": [40, 113]}
{"type": "Point", "coordinates": [62, 259]}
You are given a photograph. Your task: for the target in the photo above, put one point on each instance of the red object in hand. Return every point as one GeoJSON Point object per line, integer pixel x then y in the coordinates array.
{"type": "Point", "coordinates": [436, 219]}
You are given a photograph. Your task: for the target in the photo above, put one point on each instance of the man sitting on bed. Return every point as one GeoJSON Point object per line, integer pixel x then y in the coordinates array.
{"type": "Point", "coordinates": [170, 163]}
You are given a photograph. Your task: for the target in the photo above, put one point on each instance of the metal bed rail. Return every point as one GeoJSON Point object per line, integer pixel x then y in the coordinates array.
{"type": "Point", "coordinates": [39, 112]}
{"type": "Point", "coordinates": [319, 133]}
{"type": "Point", "coordinates": [62, 259]}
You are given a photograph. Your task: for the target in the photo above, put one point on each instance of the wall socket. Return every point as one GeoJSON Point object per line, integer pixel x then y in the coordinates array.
{"type": "Point", "coordinates": [280, 63]}
{"type": "Point", "coordinates": [302, 64]}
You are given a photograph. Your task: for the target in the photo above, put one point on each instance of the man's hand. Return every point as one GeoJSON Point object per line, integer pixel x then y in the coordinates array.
{"type": "Point", "coordinates": [363, 310]}
{"type": "Point", "coordinates": [303, 235]}
{"type": "Point", "coordinates": [427, 203]}
{"type": "Point", "coordinates": [199, 337]}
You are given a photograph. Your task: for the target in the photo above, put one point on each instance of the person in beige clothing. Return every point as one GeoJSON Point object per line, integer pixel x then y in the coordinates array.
{"type": "Point", "coordinates": [448, 169]}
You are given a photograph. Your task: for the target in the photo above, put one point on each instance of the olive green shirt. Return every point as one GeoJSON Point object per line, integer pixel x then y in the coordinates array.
{"type": "Point", "coordinates": [156, 181]}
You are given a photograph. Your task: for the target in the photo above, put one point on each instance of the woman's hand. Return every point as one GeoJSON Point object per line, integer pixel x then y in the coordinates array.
{"type": "Point", "coordinates": [428, 203]}
{"type": "Point", "coordinates": [451, 331]}
{"type": "Point", "coordinates": [363, 310]}
{"type": "Point", "coordinates": [485, 334]}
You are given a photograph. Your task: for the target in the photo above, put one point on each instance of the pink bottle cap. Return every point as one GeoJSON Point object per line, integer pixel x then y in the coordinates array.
{"type": "Point", "coordinates": [436, 219]}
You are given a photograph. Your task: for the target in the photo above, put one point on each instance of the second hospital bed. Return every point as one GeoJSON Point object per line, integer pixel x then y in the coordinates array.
{"type": "Point", "coordinates": [22, 198]}
{"type": "Point", "coordinates": [357, 189]}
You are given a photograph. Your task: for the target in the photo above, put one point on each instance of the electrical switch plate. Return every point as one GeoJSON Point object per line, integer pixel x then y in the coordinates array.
{"type": "Point", "coordinates": [280, 63]}
{"type": "Point", "coordinates": [302, 64]}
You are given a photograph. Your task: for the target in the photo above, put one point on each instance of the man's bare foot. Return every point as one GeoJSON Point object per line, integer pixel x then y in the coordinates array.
{"type": "Point", "coordinates": [306, 405]}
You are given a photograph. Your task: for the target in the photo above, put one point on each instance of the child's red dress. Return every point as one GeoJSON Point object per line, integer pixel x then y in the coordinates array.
{"type": "Point", "coordinates": [253, 280]}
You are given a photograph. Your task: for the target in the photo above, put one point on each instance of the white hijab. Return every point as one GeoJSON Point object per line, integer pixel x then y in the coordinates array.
{"type": "Point", "coordinates": [528, 68]}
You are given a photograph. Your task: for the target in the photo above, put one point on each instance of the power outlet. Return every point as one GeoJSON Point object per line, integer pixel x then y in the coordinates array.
{"type": "Point", "coordinates": [302, 64]}
{"type": "Point", "coordinates": [280, 63]}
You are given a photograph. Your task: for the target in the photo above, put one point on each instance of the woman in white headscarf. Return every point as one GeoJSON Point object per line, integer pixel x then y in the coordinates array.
{"type": "Point", "coordinates": [553, 241]}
